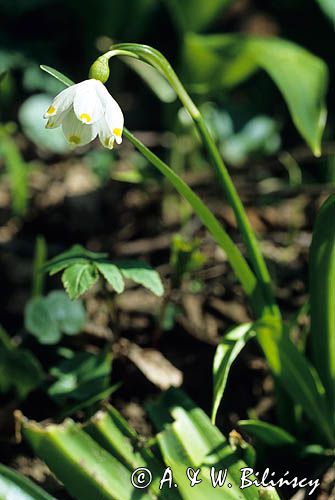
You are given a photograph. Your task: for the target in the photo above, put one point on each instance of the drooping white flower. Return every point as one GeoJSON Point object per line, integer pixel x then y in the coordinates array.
{"type": "Point", "coordinates": [86, 110]}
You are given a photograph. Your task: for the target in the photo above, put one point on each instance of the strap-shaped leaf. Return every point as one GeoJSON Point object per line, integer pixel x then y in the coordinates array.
{"type": "Point", "coordinates": [191, 440]}
{"type": "Point", "coordinates": [296, 376]}
{"type": "Point", "coordinates": [322, 298]}
{"type": "Point", "coordinates": [85, 468]}
{"type": "Point", "coordinates": [14, 486]}
{"type": "Point", "coordinates": [269, 434]}
{"type": "Point", "coordinates": [227, 351]}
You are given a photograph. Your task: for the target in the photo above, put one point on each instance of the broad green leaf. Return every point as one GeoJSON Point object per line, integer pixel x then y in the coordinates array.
{"type": "Point", "coordinates": [70, 316]}
{"type": "Point", "coordinates": [19, 370]}
{"type": "Point", "coordinates": [328, 7]}
{"type": "Point", "coordinates": [112, 432]}
{"type": "Point", "coordinates": [269, 434]}
{"type": "Point", "coordinates": [141, 273]}
{"type": "Point", "coordinates": [78, 278]}
{"type": "Point", "coordinates": [192, 15]}
{"type": "Point", "coordinates": [48, 317]}
{"type": "Point", "coordinates": [33, 124]}
{"type": "Point", "coordinates": [39, 321]}
{"type": "Point", "coordinates": [85, 468]}
{"type": "Point", "coordinates": [191, 440]}
{"type": "Point", "coordinates": [296, 376]}
{"type": "Point", "coordinates": [112, 274]}
{"type": "Point", "coordinates": [80, 377]}
{"type": "Point", "coordinates": [227, 351]}
{"type": "Point", "coordinates": [301, 77]}
{"type": "Point", "coordinates": [14, 486]}
{"type": "Point", "coordinates": [322, 298]}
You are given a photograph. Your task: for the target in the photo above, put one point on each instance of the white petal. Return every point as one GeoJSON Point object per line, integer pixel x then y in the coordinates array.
{"type": "Point", "coordinates": [56, 121]}
{"type": "Point", "coordinates": [76, 132]}
{"type": "Point", "coordinates": [87, 104]}
{"type": "Point", "coordinates": [62, 102]}
{"type": "Point", "coordinates": [105, 134]}
{"type": "Point", "coordinates": [114, 119]}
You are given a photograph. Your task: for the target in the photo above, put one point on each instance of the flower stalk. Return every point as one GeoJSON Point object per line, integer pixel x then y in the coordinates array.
{"type": "Point", "coordinates": [157, 60]}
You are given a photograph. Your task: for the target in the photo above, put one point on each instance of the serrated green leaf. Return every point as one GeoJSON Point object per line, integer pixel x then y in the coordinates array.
{"type": "Point", "coordinates": [39, 322]}
{"type": "Point", "coordinates": [77, 254]}
{"type": "Point", "coordinates": [302, 78]}
{"type": "Point", "coordinates": [227, 351]}
{"type": "Point", "coordinates": [269, 434]}
{"type": "Point", "coordinates": [70, 316]}
{"type": "Point", "coordinates": [141, 273]}
{"type": "Point", "coordinates": [78, 278]}
{"type": "Point", "coordinates": [14, 486]}
{"type": "Point", "coordinates": [112, 274]}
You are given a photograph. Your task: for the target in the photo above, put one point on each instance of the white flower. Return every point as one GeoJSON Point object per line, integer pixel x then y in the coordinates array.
{"type": "Point", "coordinates": [86, 110]}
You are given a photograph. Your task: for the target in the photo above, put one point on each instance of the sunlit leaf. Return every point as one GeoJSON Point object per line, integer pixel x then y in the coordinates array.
{"type": "Point", "coordinates": [78, 278]}
{"type": "Point", "coordinates": [141, 273]}
{"type": "Point", "coordinates": [227, 351]}
{"type": "Point", "coordinates": [112, 274]}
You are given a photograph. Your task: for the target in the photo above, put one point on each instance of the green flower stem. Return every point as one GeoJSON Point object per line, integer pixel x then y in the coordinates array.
{"type": "Point", "coordinates": [157, 60]}
{"type": "Point", "coordinates": [237, 261]}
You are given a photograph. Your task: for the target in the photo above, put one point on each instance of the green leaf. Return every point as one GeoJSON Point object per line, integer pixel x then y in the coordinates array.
{"type": "Point", "coordinates": [112, 432]}
{"type": "Point", "coordinates": [328, 7]}
{"type": "Point", "coordinates": [296, 376]}
{"type": "Point", "coordinates": [14, 486]}
{"type": "Point", "coordinates": [57, 74]}
{"type": "Point", "coordinates": [78, 278]}
{"type": "Point", "coordinates": [77, 254]}
{"type": "Point", "coordinates": [81, 270]}
{"type": "Point", "coordinates": [33, 124]}
{"type": "Point", "coordinates": [38, 320]}
{"type": "Point", "coordinates": [153, 79]}
{"type": "Point", "coordinates": [141, 273]}
{"type": "Point", "coordinates": [192, 15]}
{"type": "Point", "coordinates": [227, 351]}
{"type": "Point", "coordinates": [269, 434]}
{"type": "Point", "coordinates": [302, 78]}
{"type": "Point", "coordinates": [70, 316]}
{"type": "Point", "coordinates": [322, 298]}
{"type": "Point", "coordinates": [48, 317]}
{"type": "Point", "coordinates": [19, 370]}
{"type": "Point", "coordinates": [85, 468]}
{"type": "Point", "coordinates": [191, 440]}
{"type": "Point", "coordinates": [112, 274]}
{"type": "Point", "coordinates": [81, 377]}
